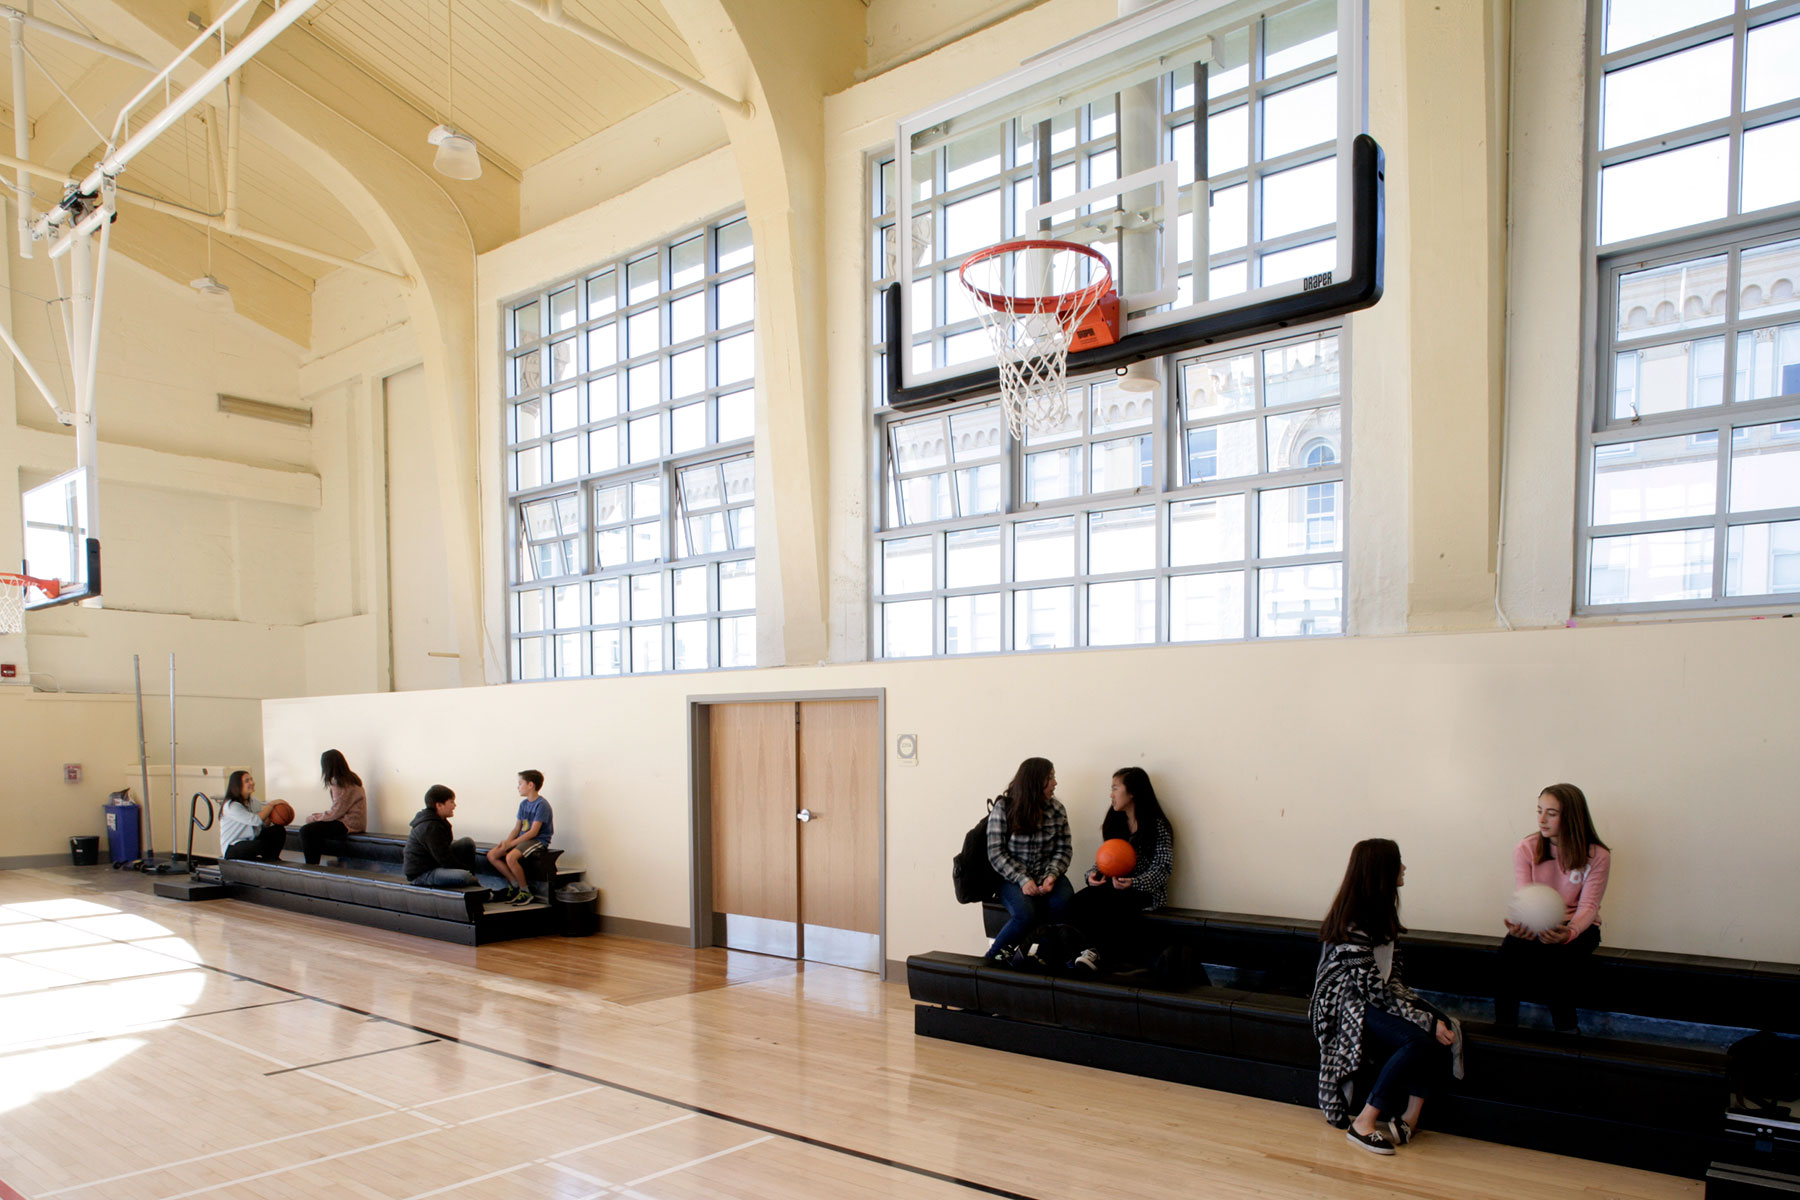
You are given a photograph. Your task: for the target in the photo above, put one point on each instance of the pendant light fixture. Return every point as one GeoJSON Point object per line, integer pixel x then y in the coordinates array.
{"type": "Point", "coordinates": [213, 294]}
{"type": "Point", "coordinates": [457, 155]}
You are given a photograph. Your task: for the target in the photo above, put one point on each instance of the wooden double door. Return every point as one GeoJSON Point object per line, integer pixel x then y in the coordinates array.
{"type": "Point", "coordinates": [795, 799]}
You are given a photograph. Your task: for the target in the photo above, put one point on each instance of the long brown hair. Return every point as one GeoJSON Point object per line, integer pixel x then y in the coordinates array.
{"type": "Point", "coordinates": [1024, 796]}
{"type": "Point", "coordinates": [334, 771]}
{"type": "Point", "coordinates": [1368, 901]}
{"type": "Point", "coordinates": [1575, 845]}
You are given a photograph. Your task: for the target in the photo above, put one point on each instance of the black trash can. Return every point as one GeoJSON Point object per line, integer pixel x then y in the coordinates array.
{"type": "Point", "coordinates": [84, 851]}
{"type": "Point", "coordinates": [578, 910]}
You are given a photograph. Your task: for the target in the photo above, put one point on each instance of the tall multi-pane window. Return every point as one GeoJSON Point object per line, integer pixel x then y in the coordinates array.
{"type": "Point", "coordinates": [1691, 460]}
{"type": "Point", "coordinates": [629, 412]}
{"type": "Point", "coordinates": [1213, 514]}
{"type": "Point", "coordinates": [1212, 508]}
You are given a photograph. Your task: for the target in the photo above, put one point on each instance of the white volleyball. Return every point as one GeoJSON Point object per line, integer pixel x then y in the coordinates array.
{"type": "Point", "coordinates": [1537, 907]}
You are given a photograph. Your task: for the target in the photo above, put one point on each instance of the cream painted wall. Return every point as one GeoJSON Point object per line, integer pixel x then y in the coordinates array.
{"type": "Point", "coordinates": [39, 812]}
{"type": "Point", "coordinates": [163, 360]}
{"type": "Point", "coordinates": [208, 530]}
{"type": "Point", "coordinates": [1272, 760]}
{"type": "Point", "coordinates": [420, 621]}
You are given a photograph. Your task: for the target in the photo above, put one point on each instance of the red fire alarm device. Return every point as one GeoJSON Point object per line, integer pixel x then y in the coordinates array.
{"type": "Point", "coordinates": [71, 772]}
{"type": "Point", "coordinates": [8, 671]}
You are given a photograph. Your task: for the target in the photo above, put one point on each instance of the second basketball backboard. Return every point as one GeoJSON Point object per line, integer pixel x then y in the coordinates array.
{"type": "Point", "coordinates": [58, 539]}
{"type": "Point", "coordinates": [1208, 148]}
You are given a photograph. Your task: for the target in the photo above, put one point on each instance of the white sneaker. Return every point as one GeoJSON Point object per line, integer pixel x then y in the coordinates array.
{"type": "Point", "coordinates": [1087, 960]}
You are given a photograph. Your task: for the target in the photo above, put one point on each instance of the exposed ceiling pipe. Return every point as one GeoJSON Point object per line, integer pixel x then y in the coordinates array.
{"type": "Point", "coordinates": [551, 13]}
{"type": "Point", "coordinates": [62, 415]}
{"type": "Point", "coordinates": [234, 107]}
{"type": "Point", "coordinates": [217, 224]}
{"type": "Point", "coordinates": [116, 160]}
{"type": "Point", "coordinates": [69, 35]}
{"type": "Point", "coordinates": [212, 221]}
{"type": "Point", "coordinates": [215, 159]}
{"type": "Point", "coordinates": [21, 127]}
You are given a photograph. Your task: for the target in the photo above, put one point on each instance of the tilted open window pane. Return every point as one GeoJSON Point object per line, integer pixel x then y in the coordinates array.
{"type": "Point", "coordinates": [629, 394]}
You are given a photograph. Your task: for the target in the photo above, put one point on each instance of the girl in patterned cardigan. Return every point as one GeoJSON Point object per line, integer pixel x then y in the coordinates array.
{"type": "Point", "coordinates": [1362, 1006]}
{"type": "Point", "coordinates": [1107, 910]}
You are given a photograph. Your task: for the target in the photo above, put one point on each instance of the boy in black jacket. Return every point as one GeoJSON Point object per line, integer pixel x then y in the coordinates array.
{"type": "Point", "coordinates": [433, 860]}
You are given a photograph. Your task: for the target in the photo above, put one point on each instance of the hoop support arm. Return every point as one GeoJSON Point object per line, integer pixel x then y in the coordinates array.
{"type": "Point", "coordinates": [1363, 288]}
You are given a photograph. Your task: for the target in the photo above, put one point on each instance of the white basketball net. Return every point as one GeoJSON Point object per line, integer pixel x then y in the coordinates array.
{"type": "Point", "coordinates": [12, 604]}
{"type": "Point", "coordinates": [1031, 300]}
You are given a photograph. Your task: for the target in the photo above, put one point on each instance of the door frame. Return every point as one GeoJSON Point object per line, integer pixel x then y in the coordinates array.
{"type": "Point", "coordinates": [700, 931]}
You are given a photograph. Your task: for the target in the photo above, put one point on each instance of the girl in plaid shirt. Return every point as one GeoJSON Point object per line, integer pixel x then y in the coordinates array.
{"type": "Point", "coordinates": [1029, 846]}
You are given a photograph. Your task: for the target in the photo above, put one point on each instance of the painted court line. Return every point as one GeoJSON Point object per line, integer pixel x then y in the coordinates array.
{"type": "Point", "coordinates": [550, 1161]}
{"type": "Point", "coordinates": [631, 1183]}
{"type": "Point", "coordinates": [693, 1109]}
{"type": "Point", "coordinates": [288, 1137]}
{"type": "Point", "coordinates": [492, 1087]}
{"type": "Point", "coordinates": [349, 1057]}
{"type": "Point", "coordinates": [371, 1097]}
{"type": "Point", "coordinates": [300, 1166]}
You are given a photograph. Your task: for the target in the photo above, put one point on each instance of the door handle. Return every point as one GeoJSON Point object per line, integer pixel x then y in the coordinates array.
{"type": "Point", "coordinates": [805, 815]}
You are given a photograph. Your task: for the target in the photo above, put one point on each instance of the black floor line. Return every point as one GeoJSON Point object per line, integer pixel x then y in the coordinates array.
{"type": "Point", "coordinates": [350, 1057]}
{"type": "Point", "coordinates": [698, 1110]}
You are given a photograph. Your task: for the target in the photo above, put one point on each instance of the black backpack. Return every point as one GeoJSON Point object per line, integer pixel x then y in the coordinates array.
{"type": "Point", "coordinates": [971, 873]}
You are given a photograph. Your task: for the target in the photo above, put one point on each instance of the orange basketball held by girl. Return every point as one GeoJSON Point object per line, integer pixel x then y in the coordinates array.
{"type": "Point", "coordinates": [1130, 874]}
{"type": "Point", "coordinates": [1546, 964]}
{"type": "Point", "coordinates": [246, 831]}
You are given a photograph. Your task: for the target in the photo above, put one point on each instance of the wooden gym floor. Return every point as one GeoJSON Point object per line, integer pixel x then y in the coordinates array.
{"type": "Point", "coordinates": [155, 1049]}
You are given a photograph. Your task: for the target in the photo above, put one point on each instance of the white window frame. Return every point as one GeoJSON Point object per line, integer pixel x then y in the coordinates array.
{"type": "Point", "coordinates": [1608, 437]}
{"type": "Point", "coordinates": [578, 631]}
{"type": "Point", "coordinates": [1169, 488]}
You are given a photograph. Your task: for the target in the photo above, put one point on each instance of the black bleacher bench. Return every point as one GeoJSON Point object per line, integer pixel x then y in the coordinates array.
{"type": "Point", "coordinates": [370, 890]}
{"type": "Point", "coordinates": [1618, 1099]}
{"type": "Point", "coordinates": [387, 851]}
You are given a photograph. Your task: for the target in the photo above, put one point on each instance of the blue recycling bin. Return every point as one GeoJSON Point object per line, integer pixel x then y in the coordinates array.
{"type": "Point", "coordinates": [124, 832]}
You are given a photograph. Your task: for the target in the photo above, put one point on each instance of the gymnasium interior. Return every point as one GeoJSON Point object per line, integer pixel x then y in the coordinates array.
{"type": "Point", "coordinates": [482, 386]}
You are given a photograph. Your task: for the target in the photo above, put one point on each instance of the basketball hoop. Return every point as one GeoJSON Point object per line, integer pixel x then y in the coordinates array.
{"type": "Point", "coordinates": [1039, 299]}
{"type": "Point", "coordinates": [12, 599]}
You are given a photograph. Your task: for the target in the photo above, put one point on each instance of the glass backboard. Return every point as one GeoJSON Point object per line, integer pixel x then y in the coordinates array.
{"type": "Point", "coordinates": [57, 541]}
{"type": "Point", "coordinates": [1213, 150]}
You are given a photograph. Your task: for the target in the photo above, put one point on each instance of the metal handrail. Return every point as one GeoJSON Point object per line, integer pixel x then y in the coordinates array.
{"type": "Point", "coordinates": [194, 823]}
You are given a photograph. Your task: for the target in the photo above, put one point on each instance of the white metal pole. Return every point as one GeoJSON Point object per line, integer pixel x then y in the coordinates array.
{"type": "Point", "coordinates": [69, 35]}
{"type": "Point", "coordinates": [234, 101]}
{"type": "Point", "coordinates": [21, 128]}
{"type": "Point", "coordinates": [172, 760]}
{"type": "Point", "coordinates": [551, 13]}
{"type": "Point", "coordinates": [87, 429]}
{"type": "Point", "coordinates": [137, 684]}
{"type": "Point", "coordinates": [63, 416]}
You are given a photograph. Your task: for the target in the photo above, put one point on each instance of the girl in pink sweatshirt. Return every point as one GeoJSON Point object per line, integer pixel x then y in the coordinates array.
{"type": "Point", "coordinates": [1567, 854]}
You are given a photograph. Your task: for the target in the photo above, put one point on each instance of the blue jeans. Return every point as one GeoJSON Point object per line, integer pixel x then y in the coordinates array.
{"type": "Point", "coordinates": [1025, 913]}
{"type": "Point", "coordinates": [463, 851]}
{"type": "Point", "coordinates": [1415, 1060]}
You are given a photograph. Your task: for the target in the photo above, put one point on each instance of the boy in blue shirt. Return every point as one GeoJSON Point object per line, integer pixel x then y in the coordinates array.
{"type": "Point", "coordinates": [531, 835]}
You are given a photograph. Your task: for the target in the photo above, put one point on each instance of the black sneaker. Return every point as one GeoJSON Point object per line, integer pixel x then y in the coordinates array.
{"type": "Point", "coordinates": [521, 899]}
{"type": "Point", "coordinates": [1005, 956]}
{"type": "Point", "coordinates": [1399, 1132]}
{"type": "Point", "coordinates": [1374, 1143]}
{"type": "Point", "coordinates": [1087, 961]}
